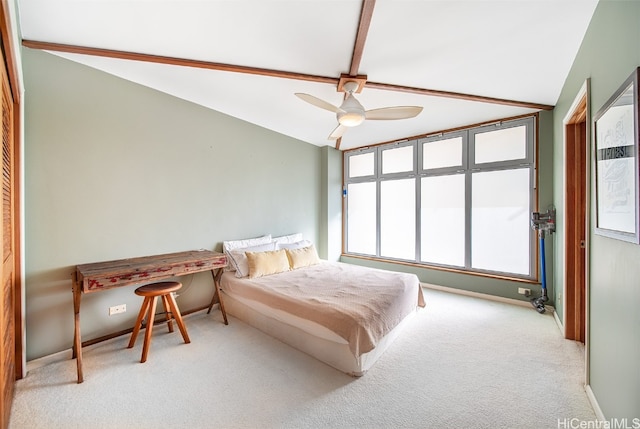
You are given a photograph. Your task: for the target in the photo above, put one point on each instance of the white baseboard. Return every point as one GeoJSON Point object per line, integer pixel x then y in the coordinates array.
{"type": "Point", "coordinates": [558, 322]}
{"type": "Point", "coordinates": [594, 403]}
{"type": "Point", "coordinates": [68, 353]}
{"type": "Point", "coordinates": [46, 360]}
{"type": "Point", "coordinates": [484, 296]}
{"type": "Point", "coordinates": [58, 357]}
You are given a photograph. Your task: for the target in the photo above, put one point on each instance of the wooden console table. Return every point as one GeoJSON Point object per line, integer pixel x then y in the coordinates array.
{"type": "Point", "coordinates": [96, 277]}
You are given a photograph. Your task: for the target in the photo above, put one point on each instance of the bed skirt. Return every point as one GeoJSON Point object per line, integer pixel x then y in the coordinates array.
{"type": "Point", "coordinates": [320, 345]}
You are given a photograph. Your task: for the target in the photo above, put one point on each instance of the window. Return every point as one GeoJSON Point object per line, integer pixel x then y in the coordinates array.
{"type": "Point", "coordinates": [459, 200]}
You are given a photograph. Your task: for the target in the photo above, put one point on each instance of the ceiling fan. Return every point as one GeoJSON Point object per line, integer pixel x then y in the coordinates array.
{"type": "Point", "coordinates": [351, 113]}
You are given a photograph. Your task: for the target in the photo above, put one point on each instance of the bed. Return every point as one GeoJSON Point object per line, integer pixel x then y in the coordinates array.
{"type": "Point", "coordinates": [341, 314]}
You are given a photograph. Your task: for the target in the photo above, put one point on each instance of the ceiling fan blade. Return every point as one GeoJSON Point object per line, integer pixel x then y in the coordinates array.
{"type": "Point", "coordinates": [318, 102]}
{"type": "Point", "coordinates": [389, 113]}
{"type": "Point", "coordinates": [338, 132]}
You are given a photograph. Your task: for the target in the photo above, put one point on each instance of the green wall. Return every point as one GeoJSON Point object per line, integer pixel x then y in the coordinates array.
{"type": "Point", "coordinates": [115, 170]}
{"type": "Point", "coordinates": [332, 195]}
{"type": "Point", "coordinates": [609, 53]}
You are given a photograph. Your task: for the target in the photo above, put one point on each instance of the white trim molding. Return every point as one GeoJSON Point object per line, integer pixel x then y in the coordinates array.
{"type": "Point", "coordinates": [583, 93]}
{"type": "Point", "coordinates": [484, 296]}
{"type": "Point", "coordinates": [594, 403]}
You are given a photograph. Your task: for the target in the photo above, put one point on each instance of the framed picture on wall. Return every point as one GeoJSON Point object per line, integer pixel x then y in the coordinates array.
{"type": "Point", "coordinates": [616, 163]}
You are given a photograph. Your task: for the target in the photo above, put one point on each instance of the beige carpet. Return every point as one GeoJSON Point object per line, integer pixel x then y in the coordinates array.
{"type": "Point", "coordinates": [462, 363]}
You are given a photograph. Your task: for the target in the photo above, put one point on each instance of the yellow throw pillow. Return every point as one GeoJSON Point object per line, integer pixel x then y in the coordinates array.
{"type": "Point", "coordinates": [302, 257]}
{"type": "Point", "coordinates": [266, 263]}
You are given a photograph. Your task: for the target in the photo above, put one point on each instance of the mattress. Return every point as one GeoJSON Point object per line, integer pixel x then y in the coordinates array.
{"type": "Point", "coordinates": [333, 321]}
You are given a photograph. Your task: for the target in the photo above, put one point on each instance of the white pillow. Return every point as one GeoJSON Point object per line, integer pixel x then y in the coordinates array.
{"type": "Point", "coordinates": [297, 245]}
{"type": "Point", "coordinates": [238, 258]}
{"type": "Point", "coordinates": [229, 245]}
{"type": "Point", "coordinates": [291, 238]}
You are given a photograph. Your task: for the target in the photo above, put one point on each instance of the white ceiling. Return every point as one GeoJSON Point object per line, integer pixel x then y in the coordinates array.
{"type": "Point", "coordinates": [518, 50]}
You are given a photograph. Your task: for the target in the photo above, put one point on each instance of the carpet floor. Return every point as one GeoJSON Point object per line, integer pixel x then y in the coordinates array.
{"type": "Point", "coordinates": [462, 362]}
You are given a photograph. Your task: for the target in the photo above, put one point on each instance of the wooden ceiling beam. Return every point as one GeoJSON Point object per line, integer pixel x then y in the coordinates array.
{"type": "Point", "coordinates": [73, 49]}
{"type": "Point", "coordinates": [361, 36]}
{"type": "Point", "coordinates": [457, 95]}
{"type": "Point", "coordinates": [124, 55]}
{"type": "Point", "coordinates": [358, 48]}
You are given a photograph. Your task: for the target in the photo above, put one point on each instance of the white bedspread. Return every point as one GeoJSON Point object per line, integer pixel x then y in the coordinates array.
{"type": "Point", "coordinates": [359, 304]}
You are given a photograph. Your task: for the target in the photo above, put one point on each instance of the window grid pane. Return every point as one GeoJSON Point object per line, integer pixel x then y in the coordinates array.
{"type": "Point", "coordinates": [501, 145]}
{"type": "Point", "coordinates": [397, 160]}
{"type": "Point", "coordinates": [362, 165]}
{"type": "Point", "coordinates": [500, 230]}
{"type": "Point", "coordinates": [442, 153]}
{"type": "Point", "coordinates": [398, 219]}
{"type": "Point", "coordinates": [442, 239]}
{"type": "Point", "coordinates": [361, 218]}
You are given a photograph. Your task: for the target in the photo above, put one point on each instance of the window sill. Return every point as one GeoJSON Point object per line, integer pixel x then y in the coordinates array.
{"type": "Point", "coordinates": [439, 268]}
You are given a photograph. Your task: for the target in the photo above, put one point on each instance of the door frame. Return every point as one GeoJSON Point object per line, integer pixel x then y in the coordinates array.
{"type": "Point", "coordinates": [582, 97]}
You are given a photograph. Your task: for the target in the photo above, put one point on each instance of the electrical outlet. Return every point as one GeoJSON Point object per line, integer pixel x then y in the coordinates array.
{"type": "Point", "coordinates": [117, 309]}
{"type": "Point", "coordinates": [524, 291]}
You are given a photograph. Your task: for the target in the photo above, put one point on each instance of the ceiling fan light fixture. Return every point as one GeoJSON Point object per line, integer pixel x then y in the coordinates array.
{"type": "Point", "coordinates": [352, 112]}
{"type": "Point", "coordinates": [350, 119]}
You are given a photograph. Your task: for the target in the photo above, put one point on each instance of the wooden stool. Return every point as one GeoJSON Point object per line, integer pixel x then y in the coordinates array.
{"type": "Point", "coordinates": [151, 292]}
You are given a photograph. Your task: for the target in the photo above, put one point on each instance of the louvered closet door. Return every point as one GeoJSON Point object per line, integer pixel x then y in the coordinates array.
{"type": "Point", "coordinates": [7, 313]}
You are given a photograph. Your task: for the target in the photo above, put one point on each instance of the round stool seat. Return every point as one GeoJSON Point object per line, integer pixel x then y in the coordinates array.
{"type": "Point", "coordinates": [151, 292]}
{"type": "Point", "coordinates": [156, 289]}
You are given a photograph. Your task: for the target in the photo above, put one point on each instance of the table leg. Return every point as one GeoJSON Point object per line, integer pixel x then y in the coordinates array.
{"type": "Point", "coordinates": [216, 294]}
{"type": "Point", "coordinates": [77, 338]}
